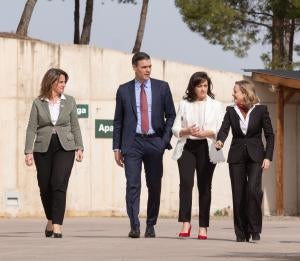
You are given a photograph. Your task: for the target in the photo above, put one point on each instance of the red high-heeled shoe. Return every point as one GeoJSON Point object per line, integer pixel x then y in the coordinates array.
{"type": "Point", "coordinates": [202, 237]}
{"type": "Point", "coordinates": [186, 234]}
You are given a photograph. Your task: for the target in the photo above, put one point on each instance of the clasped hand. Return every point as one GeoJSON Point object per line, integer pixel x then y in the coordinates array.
{"type": "Point", "coordinates": [196, 131]}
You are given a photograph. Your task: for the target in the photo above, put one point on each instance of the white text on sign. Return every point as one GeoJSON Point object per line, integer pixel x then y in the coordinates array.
{"type": "Point", "coordinates": [105, 128]}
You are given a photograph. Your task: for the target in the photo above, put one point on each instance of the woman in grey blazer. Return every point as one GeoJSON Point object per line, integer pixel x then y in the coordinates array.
{"type": "Point", "coordinates": [53, 137]}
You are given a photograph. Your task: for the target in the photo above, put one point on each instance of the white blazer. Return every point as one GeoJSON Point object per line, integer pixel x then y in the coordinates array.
{"type": "Point", "coordinates": [213, 120]}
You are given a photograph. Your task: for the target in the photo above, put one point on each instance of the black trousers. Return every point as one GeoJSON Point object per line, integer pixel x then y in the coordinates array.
{"type": "Point", "coordinates": [53, 172]}
{"type": "Point", "coordinates": [150, 152]}
{"type": "Point", "coordinates": [195, 156]}
{"type": "Point", "coordinates": [246, 179]}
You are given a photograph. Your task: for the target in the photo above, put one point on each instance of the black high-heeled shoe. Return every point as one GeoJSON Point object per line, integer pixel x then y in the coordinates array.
{"type": "Point", "coordinates": [48, 233]}
{"type": "Point", "coordinates": [255, 236]}
{"type": "Point", "coordinates": [57, 235]}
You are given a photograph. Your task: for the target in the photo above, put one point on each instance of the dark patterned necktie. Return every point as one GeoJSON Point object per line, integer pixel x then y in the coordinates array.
{"type": "Point", "coordinates": [144, 110]}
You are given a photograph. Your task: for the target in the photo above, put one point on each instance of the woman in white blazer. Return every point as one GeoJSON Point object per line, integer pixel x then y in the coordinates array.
{"type": "Point", "coordinates": [198, 120]}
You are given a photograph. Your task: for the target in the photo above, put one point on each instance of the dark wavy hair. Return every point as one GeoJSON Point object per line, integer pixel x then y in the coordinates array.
{"type": "Point", "coordinates": [195, 80]}
{"type": "Point", "coordinates": [51, 76]}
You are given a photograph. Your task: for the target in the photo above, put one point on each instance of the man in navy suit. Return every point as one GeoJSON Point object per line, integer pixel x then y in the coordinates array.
{"type": "Point", "coordinates": [144, 116]}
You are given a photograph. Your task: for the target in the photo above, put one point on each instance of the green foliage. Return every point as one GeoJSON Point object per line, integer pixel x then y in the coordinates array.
{"type": "Point", "coordinates": [237, 24]}
{"type": "Point", "coordinates": [225, 212]}
{"type": "Point", "coordinates": [220, 22]}
{"type": "Point", "coordinates": [218, 213]}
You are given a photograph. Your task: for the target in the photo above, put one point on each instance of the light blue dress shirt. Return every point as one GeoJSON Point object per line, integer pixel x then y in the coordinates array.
{"type": "Point", "coordinates": [148, 91]}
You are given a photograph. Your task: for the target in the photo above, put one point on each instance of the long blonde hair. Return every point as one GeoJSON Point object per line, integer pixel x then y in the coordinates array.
{"type": "Point", "coordinates": [248, 89]}
{"type": "Point", "coordinates": [51, 76]}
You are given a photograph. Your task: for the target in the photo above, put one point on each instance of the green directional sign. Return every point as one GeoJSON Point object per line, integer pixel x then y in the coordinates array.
{"type": "Point", "coordinates": [104, 128]}
{"type": "Point", "coordinates": [82, 110]}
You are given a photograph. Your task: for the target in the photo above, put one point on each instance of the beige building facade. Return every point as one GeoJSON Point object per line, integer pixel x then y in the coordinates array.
{"type": "Point", "coordinates": [97, 185]}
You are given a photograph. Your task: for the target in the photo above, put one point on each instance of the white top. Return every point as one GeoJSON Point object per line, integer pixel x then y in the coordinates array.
{"type": "Point", "coordinates": [209, 116]}
{"type": "Point", "coordinates": [244, 122]}
{"type": "Point", "coordinates": [197, 110]}
{"type": "Point", "coordinates": [54, 108]}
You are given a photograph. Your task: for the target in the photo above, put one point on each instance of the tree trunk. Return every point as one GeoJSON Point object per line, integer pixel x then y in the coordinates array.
{"type": "Point", "coordinates": [25, 18]}
{"type": "Point", "coordinates": [76, 22]}
{"type": "Point", "coordinates": [141, 28]}
{"type": "Point", "coordinates": [278, 56]}
{"type": "Point", "coordinates": [290, 43]}
{"type": "Point", "coordinates": [87, 23]}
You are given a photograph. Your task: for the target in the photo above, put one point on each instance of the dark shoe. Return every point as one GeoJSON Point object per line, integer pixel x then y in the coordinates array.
{"type": "Point", "coordinates": [48, 233]}
{"type": "Point", "coordinates": [150, 232]}
{"type": "Point", "coordinates": [57, 235]}
{"type": "Point", "coordinates": [255, 236]}
{"type": "Point", "coordinates": [247, 238]}
{"type": "Point", "coordinates": [240, 239]}
{"type": "Point", "coordinates": [134, 233]}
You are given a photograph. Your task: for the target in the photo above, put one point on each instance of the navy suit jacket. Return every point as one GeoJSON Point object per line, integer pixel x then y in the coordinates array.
{"type": "Point", "coordinates": [125, 120]}
{"type": "Point", "coordinates": [259, 120]}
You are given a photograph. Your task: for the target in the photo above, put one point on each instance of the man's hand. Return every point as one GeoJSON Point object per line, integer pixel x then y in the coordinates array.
{"type": "Point", "coordinates": [266, 164]}
{"type": "Point", "coordinates": [119, 158]}
{"type": "Point", "coordinates": [29, 159]}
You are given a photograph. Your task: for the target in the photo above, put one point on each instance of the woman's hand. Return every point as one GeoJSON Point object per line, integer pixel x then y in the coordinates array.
{"type": "Point", "coordinates": [79, 155]}
{"type": "Point", "coordinates": [29, 159]}
{"type": "Point", "coordinates": [265, 164]}
{"type": "Point", "coordinates": [192, 130]}
{"type": "Point", "coordinates": [219, 145]}
{"type": "Point", "coordinates": [204, 134]}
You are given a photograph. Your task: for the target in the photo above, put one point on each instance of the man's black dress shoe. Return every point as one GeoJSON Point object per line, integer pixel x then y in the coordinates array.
{"type": "Point", "coordinates": [255, 236]}
{"type": "Point", "coordinates": [150, 232]}
{"type": "Point", "coordinates": [57, 235]}
{"type": "Point", "coordinates": [48, 233]}
{"type": "Point", "coordinates": [134, 233]}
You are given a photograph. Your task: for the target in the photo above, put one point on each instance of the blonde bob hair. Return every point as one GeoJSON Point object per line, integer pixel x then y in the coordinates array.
{"type": "Point", "coordinates": [50, 77]}
{"type": "Point", "coordinates": [248, 89]}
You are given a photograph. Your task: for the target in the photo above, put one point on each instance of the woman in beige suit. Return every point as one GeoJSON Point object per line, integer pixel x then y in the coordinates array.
{"type": "Point", "coordinates": [53, 138]}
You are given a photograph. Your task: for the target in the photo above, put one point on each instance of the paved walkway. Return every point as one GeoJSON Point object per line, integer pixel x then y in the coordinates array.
{"type": "Point", "coordinates": [106, 239]}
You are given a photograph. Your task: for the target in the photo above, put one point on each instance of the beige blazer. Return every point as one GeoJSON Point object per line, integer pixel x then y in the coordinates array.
{"type": "Point", "coordinates": [40, 128]}
{"type": "Point", "coordinates": [213, 120]}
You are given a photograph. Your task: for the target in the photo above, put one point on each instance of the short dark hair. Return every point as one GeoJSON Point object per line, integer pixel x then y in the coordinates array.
{"type": "Point", "coordinates": [139, 56]}
{"type": "Point", "coordinates": [195, 80]}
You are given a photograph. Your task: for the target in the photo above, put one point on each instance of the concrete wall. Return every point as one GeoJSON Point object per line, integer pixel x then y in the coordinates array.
{"type": "Point", "coordinates": [97, 185]}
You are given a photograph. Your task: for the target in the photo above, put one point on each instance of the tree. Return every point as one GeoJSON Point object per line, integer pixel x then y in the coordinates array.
{"type": "Point", "coordinates": [25, 18]}
{"type": "Point", "coordinates": [237, 24]}
{"type": "Point", "coordinates": [76, 22]}
{"type": "Point", "coordinates": [141, 28]}
{"type": "Point", "coordinates": [87, 23]}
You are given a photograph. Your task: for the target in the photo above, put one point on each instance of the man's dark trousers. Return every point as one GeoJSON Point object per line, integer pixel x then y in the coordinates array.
{"type": "Point", "coordinates": [149, 151]}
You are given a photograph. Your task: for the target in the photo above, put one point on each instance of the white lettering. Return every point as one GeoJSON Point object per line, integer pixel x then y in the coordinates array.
{"type": "Point", "coordinates": [105, 128]}
{"type": "Point", "coordinates": [81, 111]}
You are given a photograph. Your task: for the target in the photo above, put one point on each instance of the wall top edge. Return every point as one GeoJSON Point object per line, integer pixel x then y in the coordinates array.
{"type": "Point", "coordinates": [13, 36]}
